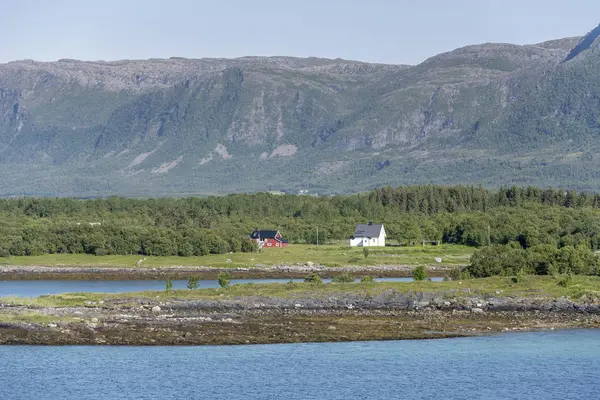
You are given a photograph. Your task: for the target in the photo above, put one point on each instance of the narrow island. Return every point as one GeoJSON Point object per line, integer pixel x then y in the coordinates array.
{"type": "Point", "coordinates": [303, 312]}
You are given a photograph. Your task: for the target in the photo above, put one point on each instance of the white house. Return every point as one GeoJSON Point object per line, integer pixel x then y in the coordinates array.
{"type": "Point", "coordinates": [368, 235]}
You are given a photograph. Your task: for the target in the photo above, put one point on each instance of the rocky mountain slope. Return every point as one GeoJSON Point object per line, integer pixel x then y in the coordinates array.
{"type": "Point", "coordinates": [492, 114]}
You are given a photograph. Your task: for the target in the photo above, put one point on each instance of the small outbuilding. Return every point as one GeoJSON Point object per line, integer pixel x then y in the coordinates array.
{"type": "Point", "coordinates": [368, 235]}
{"type": "Point", "coordinates": [268, 238]}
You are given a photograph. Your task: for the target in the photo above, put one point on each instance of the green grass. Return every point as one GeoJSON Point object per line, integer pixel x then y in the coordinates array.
{"type": "Point", "coordinates": [61, 300]}
{"type": "Point", "coordinates": [327, 255]}
{"type": "Point", "coordinates": [34, 318]}
{"type": "Point", "coordinates": [531, 286]}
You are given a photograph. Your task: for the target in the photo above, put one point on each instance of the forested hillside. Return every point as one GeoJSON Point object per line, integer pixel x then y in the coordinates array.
{"type": "Point", "coordinates": [525, 217]}
{"type": "Point", "coordinates": [490, 114]}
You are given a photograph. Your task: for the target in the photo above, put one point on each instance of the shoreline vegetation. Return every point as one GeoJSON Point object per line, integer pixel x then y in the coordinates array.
{"type": "Point", "coordinates": [303, 312]}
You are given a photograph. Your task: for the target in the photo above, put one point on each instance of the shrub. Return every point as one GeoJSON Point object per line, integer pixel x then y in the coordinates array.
{"type": "Point", "coordinates": [193, 283]}
{"type": "Point", "coordinates": [343, 278]}
{"type": "Point", "coordinates": [518, 278]}
{"type": "Point", "coordinates": [464, 275]}
{"type": "Point", "coordinates": [291, 283]}
{"type": "Point", "coordinates": [566, 281]}
{"type": "Point", "coordinates": [419, 273]}
{"type": "Point", "coordinates": [455, 273]}
{"type": "Point", "coordinates": [497, 260]}
{"type": "Point", "coordinates": [249, 246]}
{"type": "Point", "coordinates": [367, 279]}
{"type": "Point", "coordinates": [365, 252]}
{"type": "Point", "coordinates": [224, 279]}
{"type": "Point", "coordinates": [313, 278]}
{"type": "Point", "coordinates": [168, 285]}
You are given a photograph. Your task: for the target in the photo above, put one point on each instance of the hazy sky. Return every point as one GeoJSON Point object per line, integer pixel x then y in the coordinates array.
{"type": "Point", "coordinates": [390, 31]}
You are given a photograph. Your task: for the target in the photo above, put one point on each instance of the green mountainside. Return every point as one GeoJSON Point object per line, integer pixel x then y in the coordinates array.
{"type": "Point", "coordinates": [489, 114]}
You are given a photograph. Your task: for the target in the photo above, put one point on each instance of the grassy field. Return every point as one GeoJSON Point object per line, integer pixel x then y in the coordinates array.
{"type": "Point", "coordinates": [293, 254]}
{"type": "Point", "coordinates": [33, 317]}
{"type": "Point", "coordinates": [582, 287]}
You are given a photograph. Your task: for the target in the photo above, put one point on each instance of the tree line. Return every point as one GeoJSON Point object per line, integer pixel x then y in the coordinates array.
{"type": "Point", "coordinates": [467, 215]}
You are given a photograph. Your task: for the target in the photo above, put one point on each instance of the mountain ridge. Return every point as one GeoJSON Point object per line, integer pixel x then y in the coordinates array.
{"type": "Point", "coordinates": [488, 114]}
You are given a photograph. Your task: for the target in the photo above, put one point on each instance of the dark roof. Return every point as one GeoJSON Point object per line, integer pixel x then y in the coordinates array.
{"type": "Point", "coordinates": [368, 230]}
{"type": "Point", "coordinates": [263, 234]}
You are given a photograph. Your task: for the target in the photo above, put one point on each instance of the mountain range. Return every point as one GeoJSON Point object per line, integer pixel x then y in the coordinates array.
{"type": "Point", "coordinates": [489, 114]}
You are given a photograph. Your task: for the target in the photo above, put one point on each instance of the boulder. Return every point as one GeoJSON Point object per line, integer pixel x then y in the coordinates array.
{"type": "Point", "coordinates": [155, 309]}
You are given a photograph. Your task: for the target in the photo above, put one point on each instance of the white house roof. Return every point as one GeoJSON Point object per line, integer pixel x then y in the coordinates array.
{"type": "Point", "coordinates": [368, 230]}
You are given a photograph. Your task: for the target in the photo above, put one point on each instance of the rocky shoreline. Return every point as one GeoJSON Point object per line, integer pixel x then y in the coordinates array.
{"type": "Point", "coordinates": [94, 272]}
{"type": "Point", "coordinates": [388, 315]}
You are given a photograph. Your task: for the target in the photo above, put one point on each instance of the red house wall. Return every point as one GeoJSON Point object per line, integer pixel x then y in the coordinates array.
{"type": "Point", "coordinates": [273, 243]}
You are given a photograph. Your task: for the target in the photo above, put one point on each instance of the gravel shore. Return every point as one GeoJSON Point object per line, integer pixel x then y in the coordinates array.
{"type": "Point", "coordinates": [42, 272]}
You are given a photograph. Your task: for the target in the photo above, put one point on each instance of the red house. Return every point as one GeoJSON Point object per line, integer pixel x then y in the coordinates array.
{"type": "Point", "coordinates": [268, 238]}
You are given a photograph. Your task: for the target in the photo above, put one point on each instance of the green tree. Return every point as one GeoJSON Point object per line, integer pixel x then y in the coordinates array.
{"type": "Point", "coordinates": [224, 279]}
{"type": "Point", "coordinates": [410, 232]}
{"type": "Point", "coordinates": [193, 283]}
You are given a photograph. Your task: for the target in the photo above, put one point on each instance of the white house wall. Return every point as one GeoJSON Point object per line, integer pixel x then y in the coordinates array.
{"type": "Point", "coordinates": [354, 242]}
{"type": "Point", "coordinates": [367, 242]}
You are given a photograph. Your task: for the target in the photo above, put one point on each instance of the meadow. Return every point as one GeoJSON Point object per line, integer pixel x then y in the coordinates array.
{"type": "Point", "coordinates": [294, 254]}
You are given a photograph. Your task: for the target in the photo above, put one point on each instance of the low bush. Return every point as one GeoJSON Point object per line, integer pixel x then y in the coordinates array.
{"type": "Point", "coordinates": [313, 278]}
{"type": "Point", "coordinates": [343, 278]}
{"type": "Point", "coordinates": [419, 273]}
{"type": "Point", "coordinates": [365, 252]}
{"type": "Point", "coordinates": [518, 278]}
{"type": "Point", "coordinates": [565, 281]}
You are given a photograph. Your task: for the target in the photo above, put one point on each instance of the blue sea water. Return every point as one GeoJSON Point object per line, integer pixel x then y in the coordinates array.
{"type": "Point", "coordinates": [542, 365]}
{"type": "Point", "coordinates": [41, 287]}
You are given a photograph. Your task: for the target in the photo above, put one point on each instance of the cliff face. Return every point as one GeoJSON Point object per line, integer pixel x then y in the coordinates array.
{"type": "Point", "coordinates": [492, 114]}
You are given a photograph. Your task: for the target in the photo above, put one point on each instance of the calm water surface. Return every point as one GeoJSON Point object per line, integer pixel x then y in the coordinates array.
{"type": "Point", "coordinates": [38, 288]}
{"type": "Point", "coordinates": [550, 365]}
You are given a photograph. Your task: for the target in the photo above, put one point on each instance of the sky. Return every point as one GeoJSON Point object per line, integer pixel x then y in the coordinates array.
{"type": "Point", "coordinates": [384, 31]}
